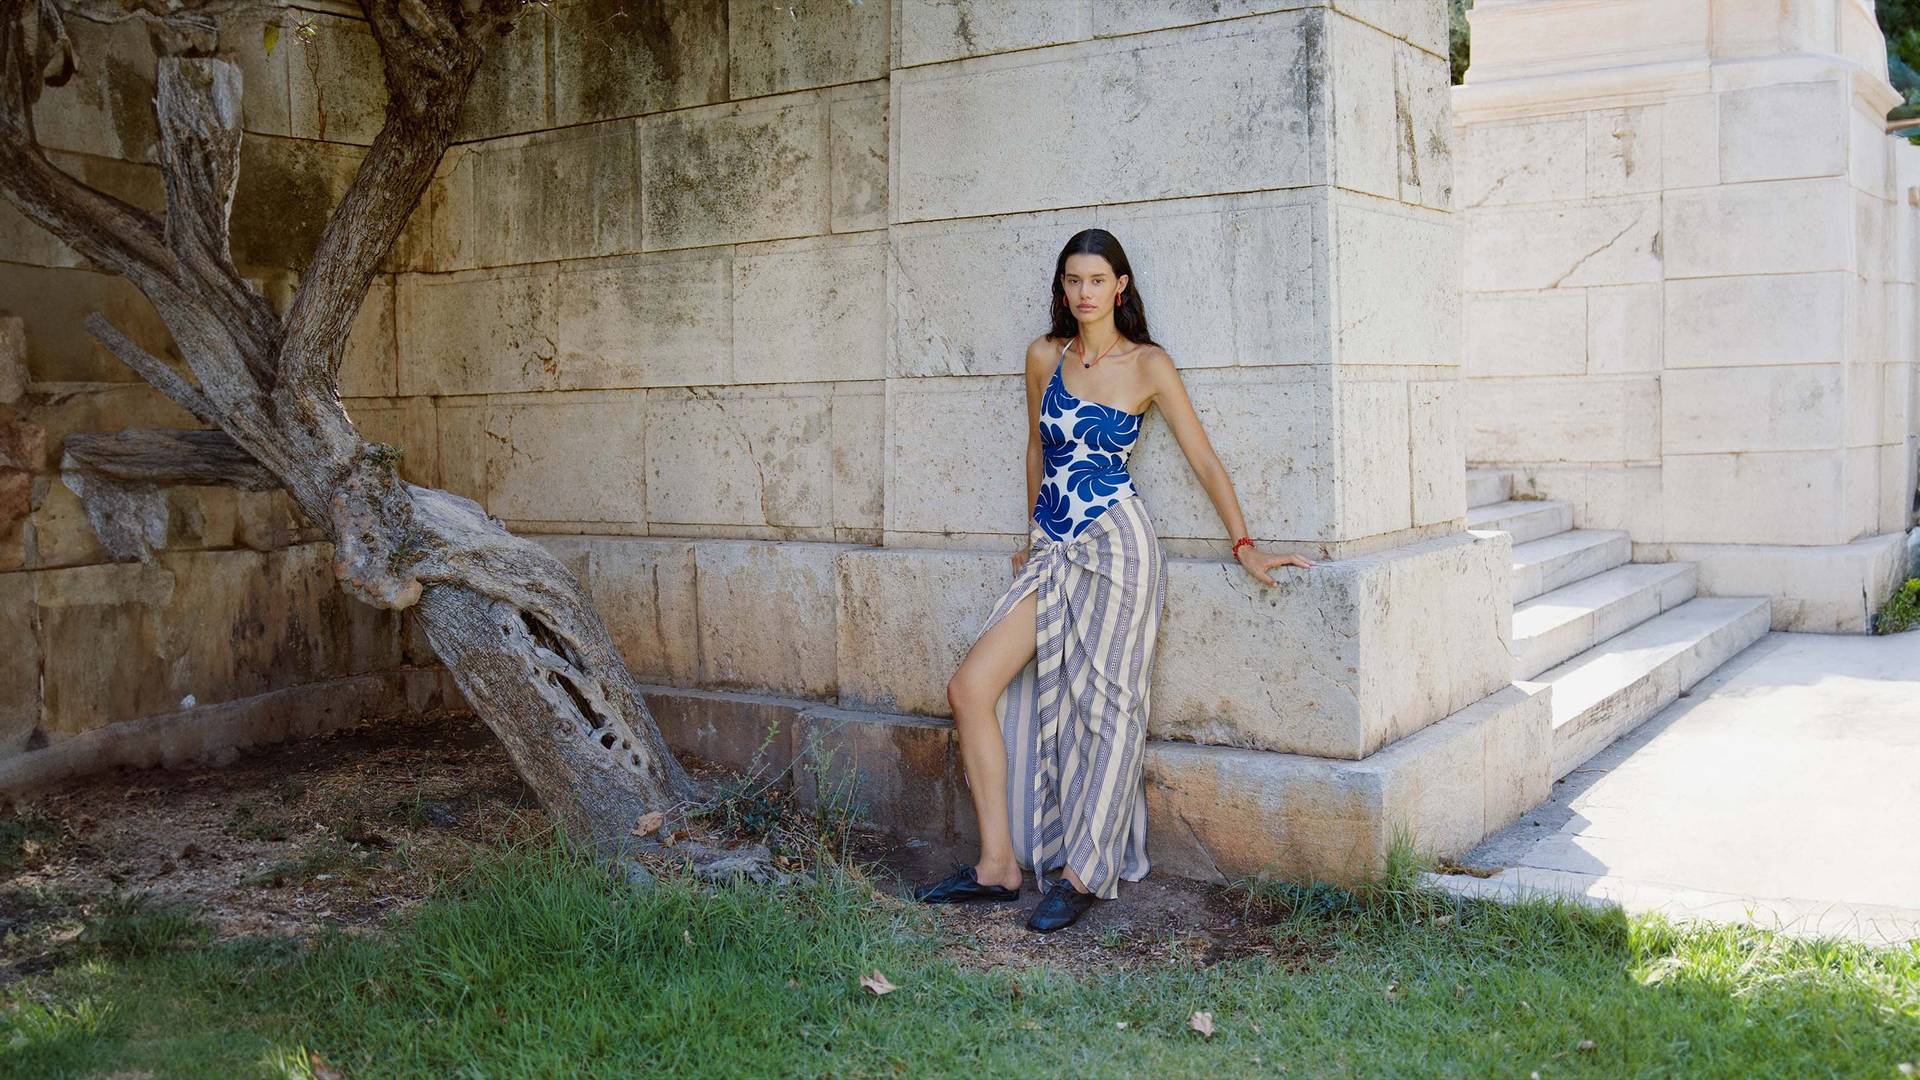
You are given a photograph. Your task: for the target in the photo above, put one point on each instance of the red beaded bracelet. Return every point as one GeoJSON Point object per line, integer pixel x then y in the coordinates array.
{"type": "Point", "coordinates": [1236, 545]}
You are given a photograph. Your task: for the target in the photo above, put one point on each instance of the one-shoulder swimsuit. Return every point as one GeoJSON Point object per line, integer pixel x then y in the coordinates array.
{"type": "Point", "coordinates": [1087, 446]}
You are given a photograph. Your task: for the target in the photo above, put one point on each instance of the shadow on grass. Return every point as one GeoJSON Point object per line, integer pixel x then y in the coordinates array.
{"type": "Point", "coordinates": [537, 961]}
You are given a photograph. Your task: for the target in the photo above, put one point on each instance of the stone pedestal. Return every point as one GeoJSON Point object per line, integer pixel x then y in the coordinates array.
{"type": "Point", "coordinates": [1689, 273]}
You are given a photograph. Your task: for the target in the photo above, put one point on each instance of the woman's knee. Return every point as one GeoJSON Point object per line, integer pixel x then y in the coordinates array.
{"type": "Point", "coordinates": [965, 693]}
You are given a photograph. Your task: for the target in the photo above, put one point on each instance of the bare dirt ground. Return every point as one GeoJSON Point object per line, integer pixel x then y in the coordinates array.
{"type": "Point", "coordinates": [352, 829]}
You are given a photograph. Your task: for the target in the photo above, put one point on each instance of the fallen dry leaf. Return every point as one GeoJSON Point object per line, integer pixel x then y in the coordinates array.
{"type": "Point", "coordinates": [322, 1070]}
{"type": "Point", "coordinates": [1202, 1022]}
{"type": "Point", "coordinates": [877, 983]}
{"type": "Point", "coordinates": [1586, 1044]}
{"type": "Point", "coordinates": [687, 936]}
{"type": "Point", "coordinates": [648, 822]}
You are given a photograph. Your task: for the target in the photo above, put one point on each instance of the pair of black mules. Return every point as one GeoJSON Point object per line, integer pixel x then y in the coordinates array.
{"type": "Point", "coordinates": [1057, 910]}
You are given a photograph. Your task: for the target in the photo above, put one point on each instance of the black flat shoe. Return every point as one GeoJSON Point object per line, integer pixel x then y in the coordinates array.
{"type": "Point", "coordinates": [960, 887]}
{"type": "Point", "coordinates": [1060, 907]}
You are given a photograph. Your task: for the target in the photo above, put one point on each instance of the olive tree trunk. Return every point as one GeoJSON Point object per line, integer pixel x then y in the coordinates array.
{"type": "Point", "coordinates": [514, 627]}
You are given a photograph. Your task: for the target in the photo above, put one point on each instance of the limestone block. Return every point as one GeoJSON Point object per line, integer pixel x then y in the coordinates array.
{"type": "Point", "coordinates": [1623, 151]}
{"type": "Point", "coordinates": [615, 58]}
{"type": "Point", "coordinates": [1867, 341]}
{"type": "Point", "coordinates": [1533, 160]}
{"type": "Point", "coordinates": [767, 611]}
{"type": "Point", "coordinates": [859, 452]}
{"type": "Point", "coordinates": [1690, 141]}
{"type": "Point", "coordinates": [19, 663]}
{"type": "Point", "coordinates": [286, 191]}
{"type": "Point", "coordinates": [930, 31]}
{"type": "Point", "coordinates": [440, 234]}
{"type": "Point", "coordinates": [1006, 262]}
{"type": "Point", "coordinates": [1831, 589]}
{"type": "Point", "coordinates": [1226, 812]}
{"type": "Point", "coordinates": [1596, 242]}
{"type": "Point", "coordinates": [857, 159]}
{"type": "Point", "coordinates": [906, 618]}
{"type": "Point", "coordinates": [25, 241]}
{"type": "Point", "coordinates": [1372, 469]}
{"type": "Point", "coordinates": [726, 174]}
{"type": "Point", "coordinates": [573, 457]}
{"type": "Point", "coordinates": [61, 533]}
{"type": "Point", "coordinates": [563, 194]}
{"type": "Point", "coordinates": [1266, 252]}
{"type": "Point", "coordinates": [266, 520]}
{"type": "Point", "coordinates": [1863, 385]}
{"type": "Point", "coordinates": [1230, 279]}
{"type": "Point", "coordinates": [1527, 333]}
{"type": "Point", "coordinates": [1625, 497]}
{"type": "Point", "coordinates": [929, 488]}
{"type": "Point", "coordinates": [756, 455]}
{"type": "Point", "coordinates": [1112, 18]}
{"type": "Point", "coordinates": [336, 85]}
{"type": "Point", "coordinates": [1777, 407]}
{"type": "Point", "coordinates": [369, 366]}
{"type": "Point", "coordinates": [1439, 452]}
{"type": "Point", "coordinates": [1870, 155]}
{"type": "Point", "coordinates": [1755, 320]}
{"type": "Point", "coordinates": [13, 359]}
{"type": "Point", "coordinates": [1563, 419]}
{"type": "Point", "coordinates": [645, 320]}
{"type": "Point", "coordinates": [509, 91]}
{"type": "Point", "coordinates": [1784, 131]}
{"type": "Point", "coordinates": [408, 424]}
{"type": "Point", "coordinates": [1624, 329]}
{"type": "Point", "coordinates": [1421, 24]}
{"type": "Point", "coordinates": [751, 734]}
{"type": "Point", "coordinates": [1897, 485]}
{"type": "Point", "coordinates": [1331, 661]}
{"type": "Point", "coordinates": [811, 310]}
{"type": "Point", "coordinates": [1771, 227]}
{"type": "Point", "coordinates": [1787, 497]}
{"type": "Point", "coordinates": [903, 771]}
{"type": "Point", "coordinates": [51, 304]}
{"type": "Point", "coordinates": [1390, 117]}
{"type": "Point", "coordinates": [477, 331]}
{"type": "Point", "coordinates": [1513, 41]}
{"type": "Point", "coordinates": [645, 591]}
{"type": "Point", "coordinates": [105, 407]}
{"type": "Point", "coordinates": [266, 99]}
{"type": "Point", "coordinates": [773, 49]}
{"type": "Point", "coordinates": [106, 108]}
{"type": "Point", "coordinates": [460, 428]}
{"type": "Point", "coordinates": [1158, 101]}
{"type": "Point", "coordinates": [1860, 494]}
{"type": "Point", "coordinates": [1396, 284]}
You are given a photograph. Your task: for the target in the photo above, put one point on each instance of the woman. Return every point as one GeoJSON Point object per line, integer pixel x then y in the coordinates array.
{"type": "Point", "coordinates": [1051, 700]}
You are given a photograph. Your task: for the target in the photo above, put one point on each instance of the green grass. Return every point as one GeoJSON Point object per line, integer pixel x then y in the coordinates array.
{"type": "Point", "coordinates": [538, 963]}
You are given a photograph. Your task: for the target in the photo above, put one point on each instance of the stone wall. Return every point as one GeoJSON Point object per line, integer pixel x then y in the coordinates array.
{"type": "Point", "coordinates": [1690, 284]}
{"type": "Point", "coordinates": [160, 660]}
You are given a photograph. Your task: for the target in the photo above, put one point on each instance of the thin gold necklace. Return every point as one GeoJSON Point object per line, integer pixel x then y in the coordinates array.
{"type": "Point", "coordinates": [1103, 352]}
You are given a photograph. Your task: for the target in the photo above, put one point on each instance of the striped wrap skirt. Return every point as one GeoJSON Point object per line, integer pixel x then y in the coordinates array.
{"type": "Point", "coordinates": [1074, 719]}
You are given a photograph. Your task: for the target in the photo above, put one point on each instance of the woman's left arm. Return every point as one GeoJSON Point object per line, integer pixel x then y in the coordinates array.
{"type": "Point", "coordinates": [1171, 393]}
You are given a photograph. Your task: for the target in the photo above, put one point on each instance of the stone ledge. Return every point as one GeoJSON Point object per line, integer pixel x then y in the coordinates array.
{"type": "Point", "coordinates": [1826, 589]}
{"type": "Point", "coordinates": [1213, 812]}
{"type": "Point", "coordinates": [211, 733]}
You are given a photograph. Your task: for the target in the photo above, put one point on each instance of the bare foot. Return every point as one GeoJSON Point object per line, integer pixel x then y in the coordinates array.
{"type": "Point", "coordinates": [1074, 879]}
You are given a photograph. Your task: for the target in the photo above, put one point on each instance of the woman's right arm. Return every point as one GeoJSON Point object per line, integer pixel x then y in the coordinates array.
{"type": "Point", "coordinates": [1037, 376]}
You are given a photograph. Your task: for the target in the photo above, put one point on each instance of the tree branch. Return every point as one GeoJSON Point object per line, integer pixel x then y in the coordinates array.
{"type": "Point", "coordinates": [157, 372]}
{"type": "Point", "coordinates": [146, 456]}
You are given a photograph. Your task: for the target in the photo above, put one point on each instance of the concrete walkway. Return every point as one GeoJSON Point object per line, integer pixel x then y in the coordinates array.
{"type": "Point", "coordinates": [1783, 790]}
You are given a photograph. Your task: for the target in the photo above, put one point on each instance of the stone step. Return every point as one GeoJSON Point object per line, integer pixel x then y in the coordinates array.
{"type": "Point", "coordinates": [1571, 619]}
{"type": "Point", "coordinates": [1540, 566]}
{"type": "Point", "coordinates": [1488, 486]}
{"type": "Point", "coordinates": [1611, 688]}
{"type": "Point", "coordinates": [1525, 519]}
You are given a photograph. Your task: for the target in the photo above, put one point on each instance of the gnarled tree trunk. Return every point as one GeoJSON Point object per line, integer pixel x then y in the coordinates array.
{"type": "Point", "coordinates": [510, 622]}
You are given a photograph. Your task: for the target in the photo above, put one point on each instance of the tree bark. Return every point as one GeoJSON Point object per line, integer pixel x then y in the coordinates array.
{"type": "Point", "coordinates": [514, 627]}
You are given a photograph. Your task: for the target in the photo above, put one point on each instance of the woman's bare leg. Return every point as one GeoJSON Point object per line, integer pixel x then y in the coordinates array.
{"type": "Point", "coordinates": [989, 666]}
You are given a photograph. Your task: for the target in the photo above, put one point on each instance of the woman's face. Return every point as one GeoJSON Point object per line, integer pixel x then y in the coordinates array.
{"type": "Point", "coordinates": [1090, 286]}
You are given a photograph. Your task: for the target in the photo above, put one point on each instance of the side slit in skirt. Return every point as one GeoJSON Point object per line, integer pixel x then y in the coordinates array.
{"type": "Point", "coordinates": [1074, 719]}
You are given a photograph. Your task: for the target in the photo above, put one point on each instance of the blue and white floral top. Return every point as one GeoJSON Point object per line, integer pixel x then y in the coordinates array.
{"type": "Point", "coordinates": [1087, 445]}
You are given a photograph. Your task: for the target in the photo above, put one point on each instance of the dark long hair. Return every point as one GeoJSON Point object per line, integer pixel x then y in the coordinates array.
{"type": "Point", "coordinates": [1129, 316]}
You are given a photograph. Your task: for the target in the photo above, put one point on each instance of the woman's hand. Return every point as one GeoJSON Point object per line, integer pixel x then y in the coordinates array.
{"type": "Point", "coordinates": [1258, 562]}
